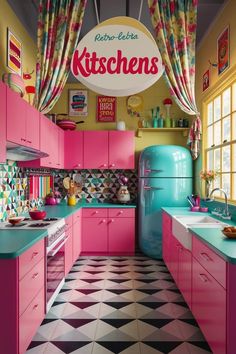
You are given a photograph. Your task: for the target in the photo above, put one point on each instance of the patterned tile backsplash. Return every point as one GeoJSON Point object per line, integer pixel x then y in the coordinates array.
{"type": "Point", "coordinates": [94, 186]}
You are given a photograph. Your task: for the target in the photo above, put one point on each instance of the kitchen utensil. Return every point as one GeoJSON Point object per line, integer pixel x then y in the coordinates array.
{"type": "Point", "coordinates": [37, 214]}
{"type": "Point", "coordinates": [66, 123]}
{"type": "Point", "coordinates": [15, 219]}
{"type": "Point", "coordinates": [189, 200]}
{"type": "Point", "coordinates": [66, 182]}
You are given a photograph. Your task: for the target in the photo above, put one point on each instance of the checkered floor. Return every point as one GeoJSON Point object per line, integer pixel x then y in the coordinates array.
{"type": "Point", "coordinates": [127, 305]}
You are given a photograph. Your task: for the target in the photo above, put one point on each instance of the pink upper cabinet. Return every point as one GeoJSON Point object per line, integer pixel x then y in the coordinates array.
{"type": "Point", "coordinates": [16, 118]}
{"type": "Point", "coordinates": [121, 149]}
{"type": "Point", "coordinates": [96, 149]}
{"type": "Point", "coordinates": [3, 113]}
{"type": "Point", "coordinates": [73, 149]}
{"type": "Point", "coordinates": [32, 127]}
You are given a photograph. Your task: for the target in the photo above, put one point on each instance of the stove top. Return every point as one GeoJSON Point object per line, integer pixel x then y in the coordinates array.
{"type": "Point", "coordinates": [28, 223]}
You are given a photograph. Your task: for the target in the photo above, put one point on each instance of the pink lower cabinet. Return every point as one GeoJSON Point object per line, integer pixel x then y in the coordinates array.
{"type": "Point", "coordinates": [209, 308]}
{"type": "Point", "coordinates": [76, 219]}
{"type": "Point", "coordinates": [108, 231]}
{"type": "Point", "coordinates": [68, 251]}
{"type": "Point", "coordinates": [23, 299]}
{"type": "Point", "coordinates": [185, 274]}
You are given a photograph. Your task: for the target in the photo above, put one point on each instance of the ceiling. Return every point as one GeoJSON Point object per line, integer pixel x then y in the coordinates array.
{"type": "Point", "coordinates": [27, 12]}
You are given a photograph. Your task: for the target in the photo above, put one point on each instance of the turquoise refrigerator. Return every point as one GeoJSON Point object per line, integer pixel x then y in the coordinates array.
{"type": "Point", "coordinates": [165, 180]}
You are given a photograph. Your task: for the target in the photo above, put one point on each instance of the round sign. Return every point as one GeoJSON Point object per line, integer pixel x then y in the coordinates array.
{"type": "Point", "coordinates": [119, 57]}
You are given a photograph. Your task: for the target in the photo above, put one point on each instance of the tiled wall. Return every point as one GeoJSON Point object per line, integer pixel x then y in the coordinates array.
{"type": "Point", "coordinates": [94, 186]}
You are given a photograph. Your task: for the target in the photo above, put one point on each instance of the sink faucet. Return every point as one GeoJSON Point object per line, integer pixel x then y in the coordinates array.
{"type": "Point", "coordinates": [226, 214]}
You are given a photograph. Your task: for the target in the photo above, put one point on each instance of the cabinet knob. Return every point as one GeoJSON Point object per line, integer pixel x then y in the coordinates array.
{"type": "Point", "coordinates": [96, 212]}
{"type": "Point", "coordinates": [28, 141]}
{"type": "Point", "coordinates": [120, 212]}
{"type": "Point", "coordinates": [35, 307]}
{"type": "Point", "coordinates": [34, 254]}
{"type": "Point", "coordinates": [112, 165]}
{"type": "Point", "coordinates": [104, 165]}
{"type": "Point", "coordinates": [103, 221]}
{"type": "Point", "coordinates": [78, 165]}
{"type": "Point", "coordinates": [35, 275]}
{"type": "Point", "coordinates": [22, 139]}
{"type": "Point", "coordinates": [112, 220]}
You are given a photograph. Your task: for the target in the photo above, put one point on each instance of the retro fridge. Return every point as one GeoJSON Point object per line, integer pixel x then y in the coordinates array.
{"type": "Point", "coordinates": [165, 180]}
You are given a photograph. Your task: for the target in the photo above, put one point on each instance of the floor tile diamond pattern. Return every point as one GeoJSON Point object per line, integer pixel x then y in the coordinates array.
{"type": "Point", "coordinates": [121, 305]}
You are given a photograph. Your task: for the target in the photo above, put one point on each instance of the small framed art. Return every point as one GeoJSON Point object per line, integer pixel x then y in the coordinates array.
{"type": "Point", "coordinates": [78, 103]}
{"type": "Point", "coordinates": [206, 80]}
{"type": "Point", "coordinates": [106, 109]}
{"type": "Point", "coordinates": [14, 53]}
{"type": "Point", "coordinates": [223, 51]}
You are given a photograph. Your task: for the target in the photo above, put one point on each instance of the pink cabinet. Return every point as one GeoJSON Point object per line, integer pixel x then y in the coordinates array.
{"type": "Point", "coordinates": [185, 274]}
{"type": "Point", "coordinates": [209, 307]}
{"type": "Point", "coordinates": [121, 149]}
{"type": "Point", "coordinates": [96, 149]}
{"type": "Point", "coordinates": [16, 118]}
{"type": "Point", "coordinates": [76, 235]}
{"type": "Point", "coordinates": [3, 122]}
{"type": "Point", "coordinates": [166, 238]}
{"type": "Point", "coordinates": [121, 235]}
{"type": "Point", "coordinates": [108, 231]}
{"type": "Point", "coordinates": [60, 151]}
{"type": "Point", "coordinates": [23, 124]}
{"type": "Point", "coordinates": [68, 251]}
{"type": "Point", "coordinates": [73, 150]}
{"type": "Point", "coordinates": [94, 235]}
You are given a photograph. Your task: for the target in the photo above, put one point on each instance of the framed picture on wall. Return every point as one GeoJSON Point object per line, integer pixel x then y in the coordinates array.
{"type": "Point", "coordinates": [78, 103]}
{"type": "Point", "coordinates": [14, 53]}
{"type": "Point", "coordinates": [206, 80]}
{"type": "Point", "coordinates": [223, 51]}
{"type": "Point", "coordinates": [106, 109]}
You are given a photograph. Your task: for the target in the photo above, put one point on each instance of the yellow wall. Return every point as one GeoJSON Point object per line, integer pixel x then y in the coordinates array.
{"type": "Point", "coordinates": [152, 97]}
{"type": "Point", "coordinates": [207, 50]}
{"type": "Point", "coordinates": [9, 19]}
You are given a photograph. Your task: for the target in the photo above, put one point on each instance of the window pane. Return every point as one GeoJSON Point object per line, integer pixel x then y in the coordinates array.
{"type": "Point", "coordinates": [234, 97]}
{"type": "Point", "coordinates": [234, 157]}
{"type": "Point", "coordinates": [210, 113]}
{"type": "Point", "coordinates": [226, 159]}
{"type": "Point", "coordinates": [226, 102]}
{"type": "Point", "coordinates": [226, 129]}
{"type": "Point", "coordinates": [234, 186]}
{"type": "Point", "coordinates": [226, 184]}
{"type": "Point", "coordinates": [210, 164]}
{"type": "Point", "coordinates": [210, 136]}
{"type": "Point", "coordinates": [217, 159]}
{"type": "Point", "coordinates": [217, 108]}
{"type": "Point", "coordinates": [217, 133]}
{"type": "Point", "coordinates": [216, 182]}
{"type": "Point", "coordinates": [234, 126]}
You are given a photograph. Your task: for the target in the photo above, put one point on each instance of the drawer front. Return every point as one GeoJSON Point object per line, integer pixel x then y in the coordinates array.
{"type": "Point", "coordinates": [68, 221]}
{"type": "Point", "coordinates": [30, 285]}
{"type": "Point", "coordinates": [121, 212]}
{"type": "Point", "coordinates": [209, 307]}
{"type": "Point", "coordinates": [30, 321]}
{"type": "Point", "coordinates": [30, 258]}
{"type": "Point", "coordinates": [213, 263]}
{"type": "Point", "coordinates": [93, 212]}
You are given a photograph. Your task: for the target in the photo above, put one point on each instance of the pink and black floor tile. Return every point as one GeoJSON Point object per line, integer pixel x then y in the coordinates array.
{"type": "Point", "coordinates": [125, 305]}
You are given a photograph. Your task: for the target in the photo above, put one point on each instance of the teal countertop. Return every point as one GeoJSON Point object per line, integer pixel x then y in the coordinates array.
{"type": "Point", "coordinates": [212, 237]}
{"type": "Point", "coordinates": [14, 242]}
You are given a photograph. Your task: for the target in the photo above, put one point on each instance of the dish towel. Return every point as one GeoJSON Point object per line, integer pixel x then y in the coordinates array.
{"type": "Point", "coordinates": [194, 137]}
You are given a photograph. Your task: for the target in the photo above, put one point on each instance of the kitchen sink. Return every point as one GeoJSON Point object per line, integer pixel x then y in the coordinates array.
{"type": "Point", "coordinates": [182, 223]}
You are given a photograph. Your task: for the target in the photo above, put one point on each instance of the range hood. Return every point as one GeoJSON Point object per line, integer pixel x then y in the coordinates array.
{"type": "Point", "coordinates": [23, 153]}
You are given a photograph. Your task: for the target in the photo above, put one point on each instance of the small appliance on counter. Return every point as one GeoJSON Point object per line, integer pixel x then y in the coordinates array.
{"type": "Point", "coordinates": [165, 180]}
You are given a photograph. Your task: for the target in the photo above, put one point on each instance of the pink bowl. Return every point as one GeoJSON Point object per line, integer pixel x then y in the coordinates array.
{"type": "Point", "coordinates": [37, 214]}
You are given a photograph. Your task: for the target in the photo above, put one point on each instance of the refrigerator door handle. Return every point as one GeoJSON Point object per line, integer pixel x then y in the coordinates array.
{"type": "Point", "coordinates": [148, 188]}
{"type": "Point", "coordinates": [152, 170]}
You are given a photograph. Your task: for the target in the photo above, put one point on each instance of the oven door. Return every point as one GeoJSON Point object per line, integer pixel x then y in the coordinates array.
{"type": "Point", "coordinates": [55, 270]}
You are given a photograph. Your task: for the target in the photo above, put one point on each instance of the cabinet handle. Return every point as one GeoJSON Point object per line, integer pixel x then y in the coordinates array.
{"type": "Point", "coordinates": [35, 275]}
{"type": "Point", "coordinates": [34, 254]}
{"type": "Point", "coordinates": [22, 139]}
{"type": "Point", "coordinates": [103, 221]}
{"type": "Point", "coordinates": [104, 165]}
{"type": "Point", "coordinates": [120, 212]}
{"type": "Point", "coordinates": [96, 212]}
{"type": "Point", "coordinates": [35, 307]}
{"type": "Point", "coordinates": [203, 278]}
{"type": "Point", "coordinates": [28, 141]}
{"type": "Point", "coordinates": [78, 165]}
{"type": "Point", "coordinates": [112, 165]}
{"type": "Point", "coordinates": [205, 256]}
{"type": "Point", "coordinates": [110, 221]}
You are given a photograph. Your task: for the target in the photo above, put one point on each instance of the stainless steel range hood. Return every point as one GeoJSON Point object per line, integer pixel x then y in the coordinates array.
{"type": "Point", "coordinates": [23, 153]}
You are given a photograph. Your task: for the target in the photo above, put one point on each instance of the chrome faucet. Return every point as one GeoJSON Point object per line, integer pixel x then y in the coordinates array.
{"type": "Point", "coordinates": [226, 214]}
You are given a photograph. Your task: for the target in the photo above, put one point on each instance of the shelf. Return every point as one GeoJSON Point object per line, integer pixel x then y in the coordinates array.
{"type": "Point", "coordinates": [163, 130]}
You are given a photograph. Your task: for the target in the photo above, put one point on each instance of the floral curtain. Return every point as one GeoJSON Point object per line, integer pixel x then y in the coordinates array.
{"type": "Point", "coordinates": [59, 25]}
{"type": "Point", "coordinates": [175, 23]}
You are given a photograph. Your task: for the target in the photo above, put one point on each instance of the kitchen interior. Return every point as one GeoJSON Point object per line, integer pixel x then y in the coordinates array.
{"type": "Point", "coordinates": [117, 203]}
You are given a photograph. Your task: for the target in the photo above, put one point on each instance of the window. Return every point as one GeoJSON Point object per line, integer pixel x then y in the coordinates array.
{"type": "Point", "coordinates": [220, 142]}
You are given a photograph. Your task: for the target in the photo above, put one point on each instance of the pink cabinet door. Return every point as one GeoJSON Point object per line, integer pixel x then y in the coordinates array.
{"type": "Point", "coordinates": [76, 235]}
{"type": "Point", "coordinates": [121, 149]}
{"type": "Point", "coordinates": [209, 307]}
{"type": "Point", "coordinates": [16, 118]}
{"type": "Point", "coordinates": [48, 142]}
{"type": "Point", "coordinates": [60, 157]}
{"type": "Point", "coordinates": [174, 258]}
{"type": "Point", "coordinates": [94, 235]}
{"type": "Point", "coordinates": [73, 149]}
{"type": "Point", "coordinates": [166, 237]}
{"type": "Point", "coordinates": [3, 122]}
{"type": "Point", "coordinates": [96, 149]}
{"type": "Point", "coordinates": [68, 251]}
{"type": "Point", "coordinates": [121, 235]}
{"type": "Point", "coordinates": [32, 127]}
{"type": "Point", "coordinates": [185, 274]}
